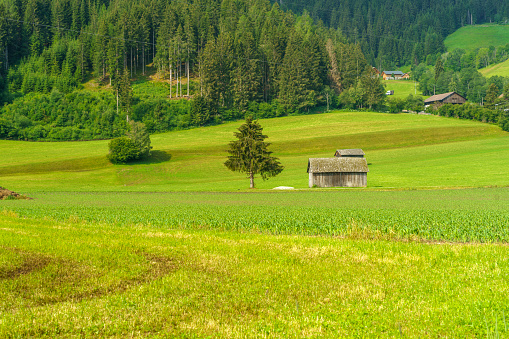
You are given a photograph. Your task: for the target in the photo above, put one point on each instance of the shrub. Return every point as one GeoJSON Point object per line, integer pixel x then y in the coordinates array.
{"type": "Point", "coordinates": [122, 150]}
{"type": "Point", "coordinates": [135, 145]}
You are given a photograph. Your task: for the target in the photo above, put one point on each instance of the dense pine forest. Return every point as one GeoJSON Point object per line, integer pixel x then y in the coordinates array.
{"type": "Point", "coordinates": [231, 57]}
{"type": "Point", "coordinates": [81, 69]}
{"type": "Point", "coordinates": [393, 33]}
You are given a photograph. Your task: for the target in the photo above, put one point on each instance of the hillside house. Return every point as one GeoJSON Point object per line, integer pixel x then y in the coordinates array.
{"type": "Point", "coordinates": [406, 76]}
{"type": "Point", "coordinates": [338, 172]}
{"type": "Point", "coordinates": [392, 75]}
{"type": "Point", "coordinates": [445, 98]}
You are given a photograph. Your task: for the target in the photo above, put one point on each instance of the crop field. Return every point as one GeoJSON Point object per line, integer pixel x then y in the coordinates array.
{"type": "Point", "coordinates": [177, 246]}
{"type": "Point", "coordinates": [472, 37]}
{"type": "Point", "coordinates": [501, 69]}
{"type": "Point", "coordinates": [479, 215]}
{"type": "Point", "coordinates": [402, 88]}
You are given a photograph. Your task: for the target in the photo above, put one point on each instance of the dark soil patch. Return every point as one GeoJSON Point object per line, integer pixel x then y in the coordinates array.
{"type": "Point", "coordinates": [32, 262]}
{"type": "Point", "coordinates": [67, 280]}
{"type": "Point", "coordinates": [5, 194]}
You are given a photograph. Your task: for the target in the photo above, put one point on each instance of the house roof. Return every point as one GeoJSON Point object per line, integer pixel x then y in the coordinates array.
{"type": "Point", "coordinates": [439, 97]}
{"type": "Point", "coordinates": [351, 151]}
{"type": "Point", "coordinates": [393, 72]}
{"type": "Point", "coordinates": [337, 165]}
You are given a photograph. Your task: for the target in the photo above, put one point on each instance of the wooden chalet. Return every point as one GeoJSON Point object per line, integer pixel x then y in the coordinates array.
{"type": "Point", "coordinates": [406, 76]}
{"type": "Point", "coordinates": [338, 172]}
{"type": "Point", "coordinates": [351, 153]}
{"type": "Point", "coordinates": [445, 98]}
{"type": "Point", "coordinates": [392, 75]}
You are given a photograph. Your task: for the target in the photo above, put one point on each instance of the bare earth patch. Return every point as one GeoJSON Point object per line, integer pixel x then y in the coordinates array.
{"type": "Point", "coordinates": [6, 194]}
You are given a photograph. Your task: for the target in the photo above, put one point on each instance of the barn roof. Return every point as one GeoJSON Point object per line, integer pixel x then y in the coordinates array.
{"type": "Point", "coordinates": [337, 165]}
{"type": "Point", "coordinates": [347, 152]}
{"type": "Point", "coordinates": [393, 72]}
{"type": "Point", "coordinates": [439, 97]}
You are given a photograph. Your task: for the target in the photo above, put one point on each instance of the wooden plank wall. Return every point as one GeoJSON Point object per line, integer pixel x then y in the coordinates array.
{"type": "Point", "coordinates": [454, 99]}
{"type": "Point", "coordinates": [338, 179]}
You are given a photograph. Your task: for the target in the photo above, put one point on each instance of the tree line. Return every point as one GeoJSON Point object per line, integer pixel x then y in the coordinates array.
{"type": "Point", "coordinates": [394, 33]}
{"type": "Point", "coordinates": [232, 57]}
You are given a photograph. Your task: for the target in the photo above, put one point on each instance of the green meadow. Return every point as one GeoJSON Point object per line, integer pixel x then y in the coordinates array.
{"type": "Point", "coordinates": [501, 69]}
{"type": "Point", "coordinates": [401, 88]}
{"type": "Point", "coordinates": [178, 246]}
{"type": "Point", "coordinates": [404, 151]}
{"type": "Point", "coordinates": [472, 37]}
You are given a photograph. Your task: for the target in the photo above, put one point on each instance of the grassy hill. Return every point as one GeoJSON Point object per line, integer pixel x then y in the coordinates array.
{"type": "Point", "coordinates": [501, 69]}
{"type": "Point", "coordinates": [403, 151]}
{"type": "Point", "coordinates": [402, 88]}
{"type": "Point", "coordinates": [472, 37]}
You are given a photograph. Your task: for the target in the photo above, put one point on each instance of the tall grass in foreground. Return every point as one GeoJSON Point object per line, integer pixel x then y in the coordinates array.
{"type": "Point", "coordinates": [74, 279]}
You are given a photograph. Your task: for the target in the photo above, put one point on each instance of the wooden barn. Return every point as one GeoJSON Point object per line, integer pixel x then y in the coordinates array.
{"type": "Point", "coordinates": [338, 172]}
{"type": "Point", "coordinates": [351, 153]}
{"type": "Point", "coordinates": [445, 98]}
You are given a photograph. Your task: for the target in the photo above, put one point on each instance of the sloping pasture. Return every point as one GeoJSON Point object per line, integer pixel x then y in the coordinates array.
{"type": "Point", "coordinates": [403, 150]}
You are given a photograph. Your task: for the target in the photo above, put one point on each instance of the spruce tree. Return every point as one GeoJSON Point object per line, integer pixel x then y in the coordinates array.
{"type": "Point", "coordinates": [439, 68]}
{"type": "Point", "coordinates": [491, 96]}
{"type": "Point", "coordinates": [249, 153]}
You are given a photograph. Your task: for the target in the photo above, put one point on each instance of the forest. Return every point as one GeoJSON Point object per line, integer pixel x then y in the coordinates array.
{"type": "Point", "coordinates": [393, 33]}
{"type": "Point", "coordinates": [231, 57]}
{"type": "Point", "coordinates": [81, 69]}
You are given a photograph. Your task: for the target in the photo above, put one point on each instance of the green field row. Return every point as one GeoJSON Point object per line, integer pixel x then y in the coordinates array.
{"type": "Point", "coordinates": [452, 215]}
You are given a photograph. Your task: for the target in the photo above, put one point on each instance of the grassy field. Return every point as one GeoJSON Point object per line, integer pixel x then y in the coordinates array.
{"type": "Point", "coordinates": [402, 88]}
{"type": "Point", "coordinates": [176, 246]}
{"type": "Point", "coordinates": [64, 279]}
{"type": "Point", "coordinates": [501, 69]}
{"type": "Point", "coordinates": [404, 151]}
{"type": "Point", "coordinates": [472, 37]}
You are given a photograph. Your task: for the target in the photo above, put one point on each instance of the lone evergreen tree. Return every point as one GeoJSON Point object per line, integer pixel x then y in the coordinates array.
{"type": "Point", "coordinates": [249, 154]}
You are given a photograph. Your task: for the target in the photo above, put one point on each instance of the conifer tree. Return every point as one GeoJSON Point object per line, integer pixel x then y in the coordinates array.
{"type": "Point", "coordinates": [247, 75]}
{"type": "Point", "coordinates": [125, 90]}
{"type": "Point", "coordinates": [491, 96]}
{"type": "Point", "coordinates": [249, 153]}
{"type": "Point", "coordinates": [373, 89]}
{"type": "Point", "coordinates": [439, 68]}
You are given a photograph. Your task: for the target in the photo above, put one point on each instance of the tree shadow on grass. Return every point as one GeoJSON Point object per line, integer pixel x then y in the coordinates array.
{"type": "Point", "coordinates": [155, 157]}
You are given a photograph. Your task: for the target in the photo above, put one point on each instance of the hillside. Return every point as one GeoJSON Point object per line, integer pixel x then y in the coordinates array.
{"type": "Point", "coordinates": [244, 53]}
{"type": "Point", "coordinates": [403, 151]}
{"type": "Point", "coordinates": [501, 69]}
{"type": "Point", "coordinates": [478, 36]}
{"type": "Point", "coordinates": [398, 32]}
